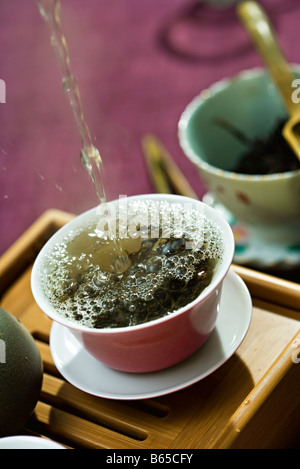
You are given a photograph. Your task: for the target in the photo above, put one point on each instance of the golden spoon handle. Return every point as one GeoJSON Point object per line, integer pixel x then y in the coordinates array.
{"type": "Point", "coordinates": [263, 36]}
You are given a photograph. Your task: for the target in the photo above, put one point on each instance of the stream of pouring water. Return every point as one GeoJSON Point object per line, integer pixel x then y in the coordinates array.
{"type": "Point", "coordinates": [90, 155]}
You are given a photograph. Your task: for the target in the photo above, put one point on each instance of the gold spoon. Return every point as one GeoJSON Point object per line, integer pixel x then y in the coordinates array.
{"type": "Point", "coordinates": [263, 36]}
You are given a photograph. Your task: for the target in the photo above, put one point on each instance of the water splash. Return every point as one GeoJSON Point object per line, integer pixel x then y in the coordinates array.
{"type": "Point", "coordinates": [90, 155]}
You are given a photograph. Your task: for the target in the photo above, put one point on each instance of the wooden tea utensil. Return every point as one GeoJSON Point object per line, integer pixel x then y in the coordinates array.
{"type": "Point", "coordinates": [263, 36]}
{"type": "Point", "coordinates": [164, 173]}
{"type": "Point", "coordinates": [154, 165]}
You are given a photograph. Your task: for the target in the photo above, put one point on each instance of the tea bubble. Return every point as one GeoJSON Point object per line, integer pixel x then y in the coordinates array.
{"type": "Point", "coordinates": [161, 274]}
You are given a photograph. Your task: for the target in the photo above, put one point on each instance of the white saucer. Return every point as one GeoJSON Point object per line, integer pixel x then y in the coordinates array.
{"type": "Point", "coordinates": [253, 251]}
{"type": "Point", "coordinates": [88, 374]}
{"type": "Point", "coordinates": [28, 442]}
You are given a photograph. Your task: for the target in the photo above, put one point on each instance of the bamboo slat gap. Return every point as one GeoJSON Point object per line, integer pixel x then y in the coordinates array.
{"type": "Point", "coordinates": [151, 407]}
{"type": "Point", "coordinates": [64, 396]}
{"type": "Point", "coordinates": [75, 430]}
{"type": "Point", "coordinates": [267, 287]}
{"type": "Point", "coordinates": [256, 397]}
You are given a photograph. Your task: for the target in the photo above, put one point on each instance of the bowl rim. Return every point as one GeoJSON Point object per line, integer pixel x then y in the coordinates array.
{"type": "Point", "coordinates": [197, 102]}
{"type": "Point", "coordinates": [225, 264]}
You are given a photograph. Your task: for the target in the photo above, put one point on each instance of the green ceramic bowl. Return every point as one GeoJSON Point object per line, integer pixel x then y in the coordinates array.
{"type": "Point", "coordinates": [269, 204]}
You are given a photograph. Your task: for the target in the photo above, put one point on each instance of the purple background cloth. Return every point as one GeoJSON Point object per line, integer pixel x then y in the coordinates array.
{"type": "Point", "coordinates": [138, 64]}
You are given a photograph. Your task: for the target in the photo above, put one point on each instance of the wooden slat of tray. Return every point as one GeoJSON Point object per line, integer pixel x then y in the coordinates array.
{"type": "Point", "coordinates": [251, 401]}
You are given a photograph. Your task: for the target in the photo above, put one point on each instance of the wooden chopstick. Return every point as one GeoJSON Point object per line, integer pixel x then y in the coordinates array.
{"type": "Point", "coordinates": [163, 171]}
{"type": "Point", "coordinates": [154, 165]}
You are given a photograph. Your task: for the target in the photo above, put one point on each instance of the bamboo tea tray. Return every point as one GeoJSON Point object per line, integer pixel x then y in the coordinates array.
{"type": "Point", "coordinates": [251, 401]}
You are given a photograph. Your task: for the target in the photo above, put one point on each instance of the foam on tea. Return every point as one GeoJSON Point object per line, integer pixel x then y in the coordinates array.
{"type": "Point", "coordinates": [172, 254]}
